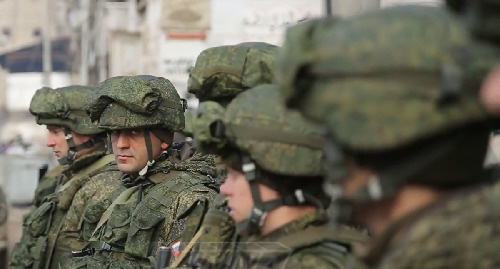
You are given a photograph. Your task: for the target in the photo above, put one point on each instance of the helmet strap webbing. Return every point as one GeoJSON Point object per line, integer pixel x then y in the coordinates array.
{"type": "Point", "coordinates": [149, 149]}
{"type": "Point", "coordinates": [258, 213]}
{"type": "Point", "coordinates": [149, 146]}
{"type": "Point", "coordinates": [72, 148]}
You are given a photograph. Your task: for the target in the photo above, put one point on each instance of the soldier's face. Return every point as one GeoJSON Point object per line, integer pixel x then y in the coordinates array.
{"type": "Point", "coordinates": [129, 148]}
{"type": "Point", "coordinates": [56, 139]}
{"type": "Point", "coordinates": [237, 191]}
{"type": "Point", "coordinates": [239, 197]}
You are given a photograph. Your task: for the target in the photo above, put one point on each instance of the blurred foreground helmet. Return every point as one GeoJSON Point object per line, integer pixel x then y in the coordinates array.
{"type": "Point", "coordinates": [384, 80]}
{"type": "Point", "coordinates": [131, 102]}
{"type": "Point", "coordinates": [396, 78]}
{"type": "Point", "coordinates": [220, 73]}
{"type": "Point", "coordinates": [63, 107]}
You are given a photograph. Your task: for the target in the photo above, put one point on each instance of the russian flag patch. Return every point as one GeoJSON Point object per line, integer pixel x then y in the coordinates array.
{"type": "Point", "coordinates": [176, 248]}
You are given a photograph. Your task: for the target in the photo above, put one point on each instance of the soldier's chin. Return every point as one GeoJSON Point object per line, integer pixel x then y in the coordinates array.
{"type": "Point", "coordinates": [127, 168]}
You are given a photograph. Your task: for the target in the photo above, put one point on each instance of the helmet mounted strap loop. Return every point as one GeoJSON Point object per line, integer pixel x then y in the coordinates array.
{"type": "Point", "coordinates": [72, 148]}
{"type": "Point", "coordinates": [70, 156]}
{"type": "Point", "coordinates": [149, 147]}
{"type": "Point", "coordinates": [260, 209]}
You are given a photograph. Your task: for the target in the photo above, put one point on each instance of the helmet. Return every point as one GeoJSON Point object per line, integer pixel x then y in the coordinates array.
{"type": "Point", "coordinates": [256, 122]}
{"type": "Point", "coordinates": [130, 102]}
{"type": "Point", "coordinates": [257, 126]}
{"type": "Point", "coordinates": [385, 80]}
{"type": "Point", "coordinates": [393, 95]}
{"type": "Point", "coordinates": [223, 72]}
{"type": "Point", "coordinates": [64, 107]}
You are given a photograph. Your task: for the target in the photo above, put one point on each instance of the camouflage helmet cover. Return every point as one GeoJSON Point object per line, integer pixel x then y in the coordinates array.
{"type": "Point", "coordinates": [397, 75]}
{"type": "Point", "coordinates": [257, 122]}
{"type": "Point", "coordinates": [64, 107]}
{"type": "Point", "coordinates": [223, 72]}
{"type": "Point", "coordinates": [129, 102]}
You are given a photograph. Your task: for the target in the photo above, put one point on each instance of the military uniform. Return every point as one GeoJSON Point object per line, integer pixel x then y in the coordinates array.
{"type": "Point", "coordinates": [162, 197]}
{"type": "Point", "coordinates": [47, 184]}
{"type": "Point", "coordinates": [304, 243]}
{"type": "Point", "coordinates": [282, 142]}
{"type": "Point", "coordinates": [54, 227]}
{"type": "Point", "coordinates": [461, 226]}
{"type": "Point", "coordinates": [151, 212]}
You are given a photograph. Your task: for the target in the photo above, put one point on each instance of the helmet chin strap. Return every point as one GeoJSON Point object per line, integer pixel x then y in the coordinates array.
{"type": "Point", "coordinates": [72, 148]}
{"type": "Point", "coordinates": [149, 149]}
{"type": "Point", "coordinates": [258, 213]}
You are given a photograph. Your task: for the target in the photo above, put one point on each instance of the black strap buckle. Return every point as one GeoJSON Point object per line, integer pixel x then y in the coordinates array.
{"type": "Point", "coordinates": [87, 251]}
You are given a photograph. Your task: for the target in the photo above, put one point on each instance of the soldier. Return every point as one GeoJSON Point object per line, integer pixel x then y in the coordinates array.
{"type": "Point", "coordinates": [54, 227]}
{"type": "Point", "coordinates": [165, 182]}
{"type": "Point", "coordinates": [274, 186]}
{"type": "Point", "coordinates": [397, 91]}
{"type": "Point", "coordinates": [47, 182]}
{"type": "Point", "coordinates": [238, 68]}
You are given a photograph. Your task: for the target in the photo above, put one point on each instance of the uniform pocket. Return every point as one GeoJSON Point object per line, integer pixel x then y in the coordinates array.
{"type": "Point", "coordinates": [144, 229]}
{"type": "Point", "coordinates": [118, 223]}
{"type": "Point", "coordinates": [39, 220]}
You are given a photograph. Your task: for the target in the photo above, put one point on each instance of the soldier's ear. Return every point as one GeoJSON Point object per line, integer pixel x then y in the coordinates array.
{"type": "Point", "coordinates": [489, 93]}
{"type": "Point", "coordinates": [164, 145]}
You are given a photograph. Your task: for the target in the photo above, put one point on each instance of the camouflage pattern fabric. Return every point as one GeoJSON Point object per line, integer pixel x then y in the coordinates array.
{"type": "Point", "coordinates": [297, 244]}
{"type": "Point", "coordinates": [458, 232]}
{"type": "Point", "coordinates": [47, 184]}
{"type": "Point", "coordinates": [221, 73]}
{"type": "Point", "coordinates": [137, 102]}
{"type": "Point", "coordinates": [153, 214]}
{"type": "Point", "coordinates": [53, 229]}
{"type": "Point", "coordinates": [277, 139]}
{"type": "Point", "coordinates": [63, 107]}
{"type": "Point", "coordinates": [215, 245]}
{"type": "Point", "coordinates": [291, 247]}
{"type": "Point", "coordinates": [437, 79]}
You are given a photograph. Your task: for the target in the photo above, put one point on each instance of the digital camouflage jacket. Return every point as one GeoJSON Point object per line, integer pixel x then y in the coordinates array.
{"type": "Point", "coordinates": [47, 184]}
{"type": "Point", "coordinates": [151, 212]}
{"type": "Point", "coordinates": [460, 231]}
{"type": "Point", "coordinates": [52, 229]}
{"type": "Point", "coordinates": [307, 242]}
{"type": "Point", "coordinates": [304, 243]}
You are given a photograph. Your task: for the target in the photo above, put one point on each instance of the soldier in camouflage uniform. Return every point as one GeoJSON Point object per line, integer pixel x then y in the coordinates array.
{"type": "Point", "coordinates": [221, 73]}
{"type": "Point", "coordinates": [47, 184]}
{"type": "Point", "coordinates": [54, 227]}
{"type": "Point", "coordinates": [165, 182]}
{"type": "Point", "coordinates": [274, 187]}
{"type": "Point", "coordinates": [397, 90]}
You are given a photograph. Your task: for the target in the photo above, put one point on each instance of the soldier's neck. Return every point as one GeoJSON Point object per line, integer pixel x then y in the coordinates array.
{"type": "Point", "coordinates": [283, 215]}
